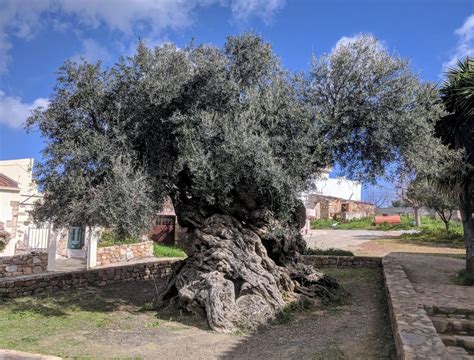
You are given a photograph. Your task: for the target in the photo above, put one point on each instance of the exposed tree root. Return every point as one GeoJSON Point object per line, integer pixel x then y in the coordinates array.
{"type": "Point", "coordinates": [230, 278]}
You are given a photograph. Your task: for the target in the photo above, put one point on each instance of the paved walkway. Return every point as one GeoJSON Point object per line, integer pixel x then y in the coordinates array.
{"type": "Point", "coordinates": [346, 239]}
{"type": "Point", "coordinates": [432, 277]}
{"type": "Point", "coordinates": [450, 306]}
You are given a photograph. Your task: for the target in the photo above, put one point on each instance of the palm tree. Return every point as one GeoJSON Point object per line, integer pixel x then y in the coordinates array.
{"type": "Point", "coordinates": [456, 130]}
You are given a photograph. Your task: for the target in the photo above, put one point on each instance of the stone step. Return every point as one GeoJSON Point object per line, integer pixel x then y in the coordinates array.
{"type": "Point", "coordinates": [467, 313]}
{"type": "Point", "coordinates": [458, 353]}
{"type": "Point", "coordinates": [453, 325]}
{"type": "Point", "coordinates": [464, 341]}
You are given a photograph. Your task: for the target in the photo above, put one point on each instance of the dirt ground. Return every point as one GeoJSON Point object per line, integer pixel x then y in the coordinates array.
{"type": "Point", "coordinates": [372, 242]}
{"type": "Point", "coordinates": [111, 322]}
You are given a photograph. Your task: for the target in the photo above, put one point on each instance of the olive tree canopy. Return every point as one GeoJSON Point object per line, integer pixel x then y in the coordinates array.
{"type": "Point", "coordinates": [232, 137]}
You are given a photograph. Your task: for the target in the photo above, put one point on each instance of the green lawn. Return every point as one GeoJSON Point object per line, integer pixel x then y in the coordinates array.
{"type": "Point", "coordinates": [108, 238]}
{"type": "Point", "coordinates": [435, 237]}
{"type": "Point", "coordinates": [367, 224]}
{"type": "Point", "coordinates": [167, 251]}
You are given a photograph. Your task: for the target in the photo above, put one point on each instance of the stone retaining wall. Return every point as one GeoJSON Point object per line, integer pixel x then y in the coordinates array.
{"type": "Point", "coordinates": [342, 261]}
{"type": "Point", "coordinates": [52, 282]}
{"type": "Point", "coordinates": [414, 333]}
{"type": "Point", "coordinates": [19, 265]}
{"type": "Point", "coordinates": [119, 253]}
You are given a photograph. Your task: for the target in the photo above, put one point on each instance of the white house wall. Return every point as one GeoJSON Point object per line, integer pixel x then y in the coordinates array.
{"type": "Point", "coordinates": [339, 187]}
{"type": "Point", "coordinates": [17, 216]}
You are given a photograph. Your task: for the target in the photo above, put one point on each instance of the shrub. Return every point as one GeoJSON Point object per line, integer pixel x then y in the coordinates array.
{"type": "Point", "coordinates": [464, 279]}
{"type": "Point", "coordinates": [110, 238]}
{"type": "Point", "coordinates": [328, 252]}
{"type": "Point", "coordinates": [4, 238]}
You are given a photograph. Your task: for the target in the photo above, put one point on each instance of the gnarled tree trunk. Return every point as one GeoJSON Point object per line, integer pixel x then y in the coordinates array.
{"type": "Point", "coordinates": [240, 273]}
{"type": "Point", "coordinates": [467, 216]}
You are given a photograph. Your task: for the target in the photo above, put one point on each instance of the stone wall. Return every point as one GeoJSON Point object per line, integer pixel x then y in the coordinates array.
{"type": "Point", "coordinates": [118, 253]}
{"type": "Point", "coordinates": [329, 207]}
{"type": "Point", "coordinates": [342, 261]}
{"type": "Point", "coordinates": [414, 334]}
{"type": "Point", "coordinates": [52, 282]}
{"type": "Point", "coordinates": [19, 265]}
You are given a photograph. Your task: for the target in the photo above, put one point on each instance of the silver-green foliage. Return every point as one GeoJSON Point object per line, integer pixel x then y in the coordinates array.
{"type": "Point", "coordinates": [375, 110]}
{"type": "Point", "coordinates": [228, 129]}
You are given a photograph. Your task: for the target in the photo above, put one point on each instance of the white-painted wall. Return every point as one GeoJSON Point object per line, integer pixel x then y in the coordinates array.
{"type": "Point", "coordinates": [339, 187]}
{"type": "Point", "coordinates": [21, 171]}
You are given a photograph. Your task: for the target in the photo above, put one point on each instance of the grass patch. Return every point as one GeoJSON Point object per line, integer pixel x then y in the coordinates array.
{"type": "Point", "coordinates": [332, 352]}
{"type": "Point", "coordinates": [437, 237]}
{"type": "Point", "coordinates": [149, 306]}
{"type": "Point", "coordinates": [160, 250]}
{"type": "Point", "coordinates": [289, 312]}
{"type": "Point", "coordinates": [407, 223]}
{"type": "Point", "coordinates": [362, 224]}
{"type": "Point", "coordinates": [328, 252]}
{"type": "Point", "coordinates": [464, 279]}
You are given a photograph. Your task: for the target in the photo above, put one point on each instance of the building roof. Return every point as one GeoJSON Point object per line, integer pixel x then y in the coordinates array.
{"type": "Point", "coordinates": [8, 183]}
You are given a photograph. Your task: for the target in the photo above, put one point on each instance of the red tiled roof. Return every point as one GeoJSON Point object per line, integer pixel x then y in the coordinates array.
{"type": "Point", "coordinates": [6, 182]}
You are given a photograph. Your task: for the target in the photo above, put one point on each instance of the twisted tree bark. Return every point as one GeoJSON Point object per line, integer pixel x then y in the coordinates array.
{"type": "Point", "coordinates": [240, 273]}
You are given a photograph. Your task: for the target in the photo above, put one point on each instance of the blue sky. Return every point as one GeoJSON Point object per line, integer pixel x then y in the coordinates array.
{"type": "Point", "coordinates": [37, 36]}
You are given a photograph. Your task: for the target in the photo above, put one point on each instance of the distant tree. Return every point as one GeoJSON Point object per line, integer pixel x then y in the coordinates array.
{"type": "Point", "coordinates": [377, 195]}
{"type": "Point", "coordinates": [427, 194]}
{"type": "Point", "coordinates": [232, 137]}
{"type": "Point", "coordinates": [456, 129]}
{"type": "Point", "coordinates": [408, 198]}
{"type": "Point", "coordinates": [398, 203]}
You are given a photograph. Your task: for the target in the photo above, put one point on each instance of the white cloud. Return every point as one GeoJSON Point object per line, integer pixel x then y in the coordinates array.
{"type": "Point", "coordinates": [92, 51]}
{"type": "Point", "coordinates": [13, 112]}
{"type": "Point", "coordinates": [465, 44]}
{"type": "Point", "coordinates": [264, 9]}
{"type": "Point", "coordinates": [25, 18]}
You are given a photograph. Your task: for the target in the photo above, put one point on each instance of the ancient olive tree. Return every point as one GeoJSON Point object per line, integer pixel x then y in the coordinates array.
{"type": "Point", "coordinates": [232, 138]}
{"type": "Point", "coordinates": [456, 129]}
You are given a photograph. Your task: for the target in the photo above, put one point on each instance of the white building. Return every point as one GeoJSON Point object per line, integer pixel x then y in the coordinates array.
{"type": "Point", "coordinates": [339, 187]}
{"type": "Point", "coordinates": [17, 196]}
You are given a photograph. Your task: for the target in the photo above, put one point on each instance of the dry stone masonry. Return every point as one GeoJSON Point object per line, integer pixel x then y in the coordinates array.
{"type": "Point", "coordinates": [414, 333]}
{"type": "Point", "coordinates": [34, 263]}
{"type": "Point", "coordinates": [119, 253]}
{"type": "Point", "coordinates": [52, 282]}
{"type": "Point", "coordinates": [342, 261]}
